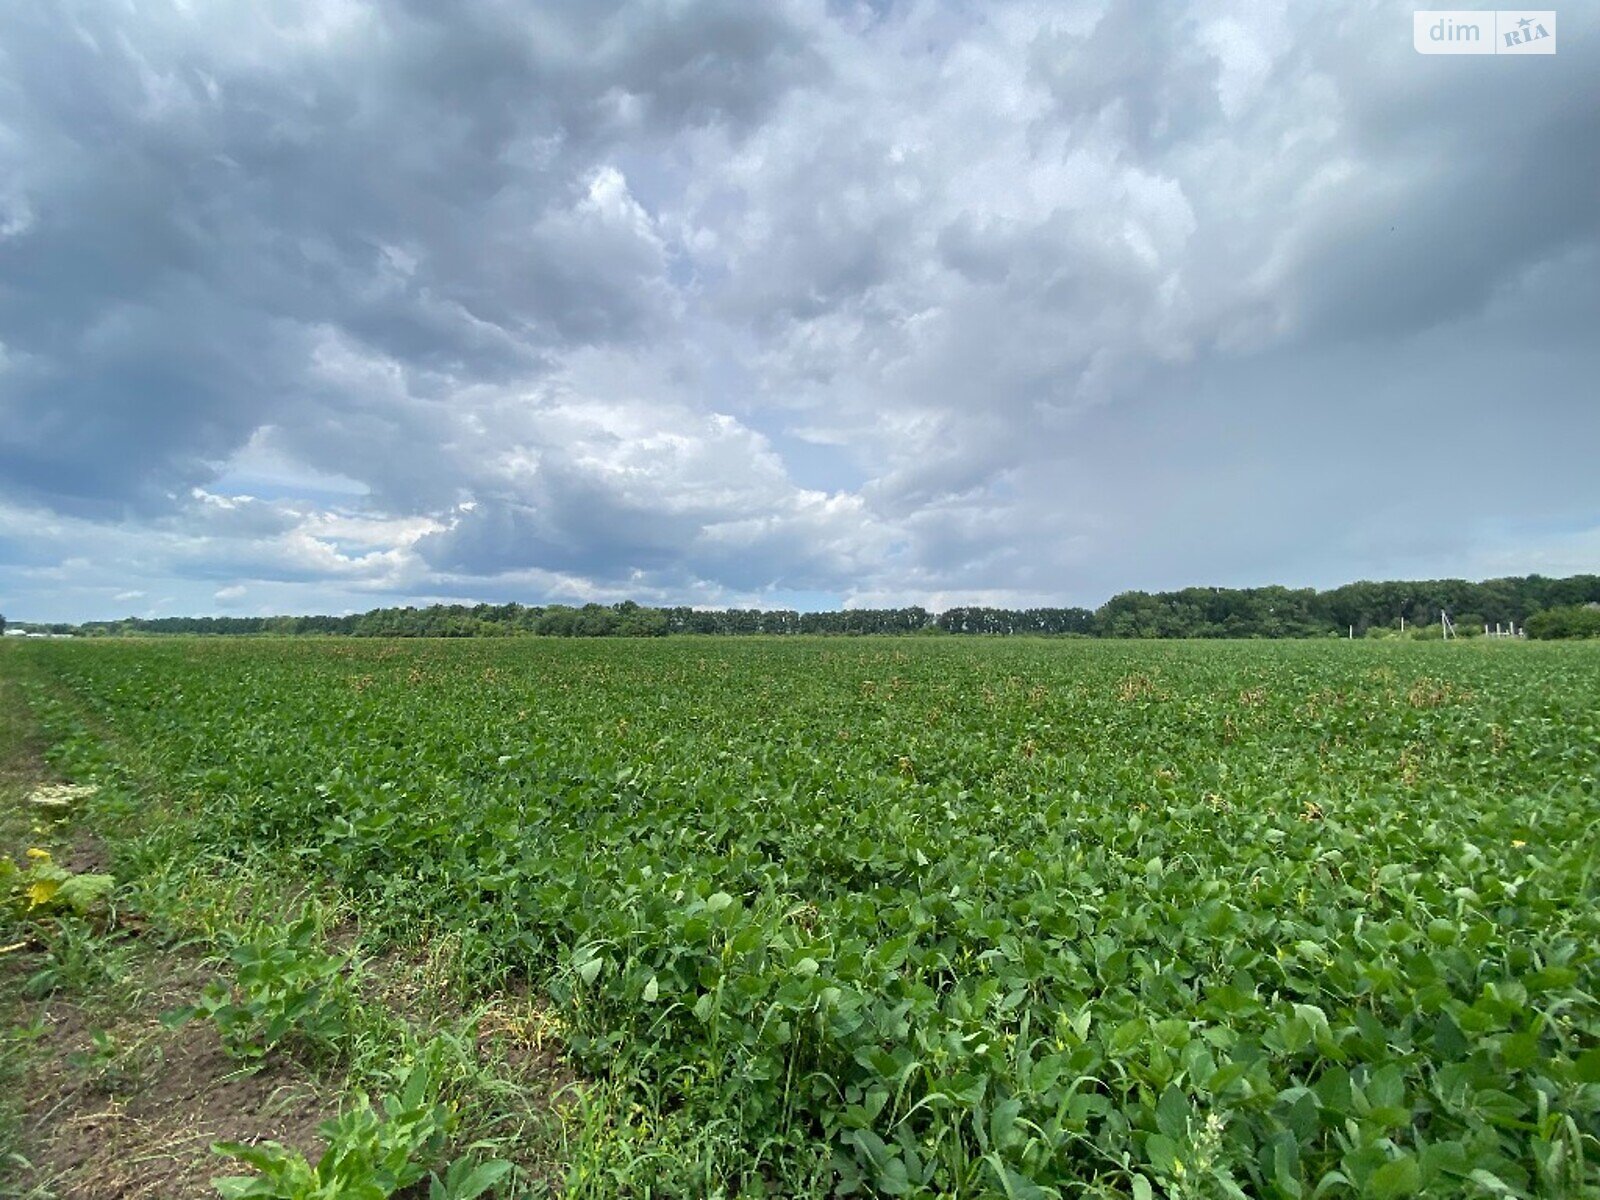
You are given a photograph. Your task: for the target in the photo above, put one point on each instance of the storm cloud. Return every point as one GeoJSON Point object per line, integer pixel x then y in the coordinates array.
{"type": "Point", "coordinates": [317, 306]}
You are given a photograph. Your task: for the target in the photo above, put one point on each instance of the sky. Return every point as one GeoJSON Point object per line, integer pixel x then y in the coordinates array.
{"type": "Point", "coordinates": [325, 305]}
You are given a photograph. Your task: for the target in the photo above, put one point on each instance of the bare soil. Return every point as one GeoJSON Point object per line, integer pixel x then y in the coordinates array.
{"type": "Point", "coordinates": [136, 1115]}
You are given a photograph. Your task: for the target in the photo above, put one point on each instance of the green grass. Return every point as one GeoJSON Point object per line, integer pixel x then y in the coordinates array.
{"type": "Point", "coordinates": [933, 918]}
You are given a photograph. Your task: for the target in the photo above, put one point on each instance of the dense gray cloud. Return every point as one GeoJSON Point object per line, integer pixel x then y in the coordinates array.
{"type": "Point", "coordinates": [325, 305]}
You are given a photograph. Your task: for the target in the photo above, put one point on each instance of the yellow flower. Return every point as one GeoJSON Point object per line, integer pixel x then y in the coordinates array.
{"type": "Point", "coordinates": [1518, 843]}
{"type": "Point", "coordinates": [42, 891]}
{"type": "Point", "coordinates": [39, 855]}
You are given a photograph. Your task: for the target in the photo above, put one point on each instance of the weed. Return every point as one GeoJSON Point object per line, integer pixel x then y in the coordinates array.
{"type": "Point", "coordinates": [369, 1156]}
{"type": "Point", "coordinates": [79, 958]}
{"type": "Point", "coordinates": [284, 987]}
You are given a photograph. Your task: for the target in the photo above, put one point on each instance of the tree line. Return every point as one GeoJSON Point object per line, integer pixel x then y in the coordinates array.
{"type": "Point", "coordinates": [1546, 607]}
{"type": "Point", "coordinates": [1568, 621]}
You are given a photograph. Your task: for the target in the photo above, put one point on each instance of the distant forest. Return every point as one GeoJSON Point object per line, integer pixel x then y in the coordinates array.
{"type": "Point", "coordinates": [1546, 607]}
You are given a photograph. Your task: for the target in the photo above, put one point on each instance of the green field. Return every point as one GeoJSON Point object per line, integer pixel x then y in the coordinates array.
{"type": "Point", "coordinates": [936, 916]}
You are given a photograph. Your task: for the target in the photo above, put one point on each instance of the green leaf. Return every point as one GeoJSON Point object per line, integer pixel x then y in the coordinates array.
{"type": "Point", "coordinates": [1286, 1165]}
{"type": "Point", "coordinates": [482, 1177]}
{"type": "Point", "coordinates": [1398, 1177]}
{"type": "Point", "coordinates": [241, 1187]}
{"type": "Point", "coordinates": [1161, 1152]}
{"type": "Point", "coordinates": [1003, 1121]}
{"type": "Point", "coordinates": [892, 1178]}
{"type": "Point", "coordinates": [1493, 1182]}
{"type": "Point", "coordinates": [1520, 1051]}
{"type": "Point", "coordinates": [175, 1017]}
{"type": "Point", "coordinates": [1172, 1113]}
{"type": "Point", "coordinates": [1587, 1068]}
